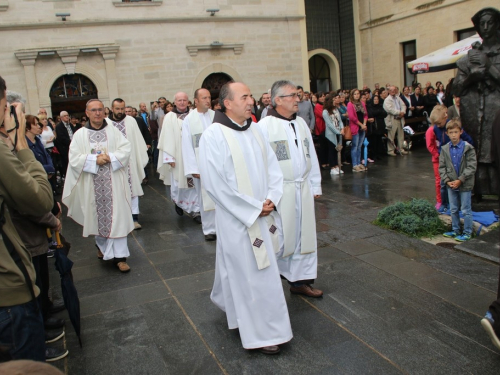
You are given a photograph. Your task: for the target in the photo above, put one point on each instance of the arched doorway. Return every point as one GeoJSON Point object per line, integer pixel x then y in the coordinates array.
{"type": "Point", "coordinates": [319, 74]}
{"type": "Point", "coordinates": [214, 82]}
{"type": "Point", "coordinates": [70, 93]}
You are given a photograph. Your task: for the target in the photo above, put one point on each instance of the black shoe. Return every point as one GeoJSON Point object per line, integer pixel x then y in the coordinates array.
{"type": "Point", "coordinates": [50, 253]}
{"type": "Point", "coordinates": [53, 336]}
{"type": "Point", "coordinates": [54, 323]}
{"type": "Point", "coordinates": [210, 237]}
{"type": "Point", "coordinates": [55, 354]}
{"type": "Point", "coordinates": [57, 306]}
{"type": "Point", "coordinates": [197, 219]}
{"type": "Point", "coordinates": [270, 350]}
{"type": "Point", "coordinates": [179, 210]}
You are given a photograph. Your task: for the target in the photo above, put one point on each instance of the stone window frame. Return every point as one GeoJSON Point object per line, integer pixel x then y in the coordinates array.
{"type": "Point", "coordinates": [407, 57]}
{"type": "Point", "coordinates": [137, 3]}
{"type": "Point", "coordinates": [463, 33]}
{"type": "Point", "coordinates": [4, 5]}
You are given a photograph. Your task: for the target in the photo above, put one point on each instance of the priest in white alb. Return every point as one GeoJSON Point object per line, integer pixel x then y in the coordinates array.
{"type": "Point", "coordinates": [192, 128]}
{"type": "Point", "coordinates": [97, 190]}
{"type": "Point", "coordinates": [241, 174]}
{"type": "Point", "coordinates": [170, 162]}
{"type": "Point", "coordinates": [290, 138]}
{"type": "Point", "coordinates": [139, 156]}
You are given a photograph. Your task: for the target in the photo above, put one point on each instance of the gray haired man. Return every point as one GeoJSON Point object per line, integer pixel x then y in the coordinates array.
{"type": "Point", "coordinates": [290, 138]}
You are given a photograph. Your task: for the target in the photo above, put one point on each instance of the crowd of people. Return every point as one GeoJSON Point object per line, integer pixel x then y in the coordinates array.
{"type": "Point", "coordinates": [207, 151]}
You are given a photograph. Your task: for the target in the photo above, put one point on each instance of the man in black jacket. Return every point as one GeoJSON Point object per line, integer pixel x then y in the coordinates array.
{"type": "Point", "coordinates": [430, 100]}
{"type": "Point", "coordinates": [417, 101]}
{"type": "Point", "coordinates": [64, 135]}
{"type": "Point", "coordinates": [145, 134]}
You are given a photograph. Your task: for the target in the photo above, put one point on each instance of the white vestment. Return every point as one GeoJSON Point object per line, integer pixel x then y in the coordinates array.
{"type": "Point", "coordinates": [138, 157]}
{"type": "Point", "coordinates": [170, 146]}
{"type": "Point", "coordinates": [192, 128]}
{"type": "Point", "coordinates": [252, 298]}
{"type": "Point", "coordinates": [99, 197]}
{"type": "Point", "coordinates": [297, 259]}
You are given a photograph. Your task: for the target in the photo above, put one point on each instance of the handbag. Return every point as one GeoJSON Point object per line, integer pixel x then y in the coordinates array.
{"type": "Point", "coordinates": [346, 133]}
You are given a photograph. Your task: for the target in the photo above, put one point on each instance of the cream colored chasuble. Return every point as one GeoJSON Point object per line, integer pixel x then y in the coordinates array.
{"type": "Point", "coordinates": [245, 187]}
{"type": "Point", "coordinates": [196, 129]}
{"type": "Point", "coordinates": [279, 143]}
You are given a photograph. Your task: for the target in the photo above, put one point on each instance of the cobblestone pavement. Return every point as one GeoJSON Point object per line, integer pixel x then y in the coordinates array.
{"type": "Point", "coordinates": [392, 304]}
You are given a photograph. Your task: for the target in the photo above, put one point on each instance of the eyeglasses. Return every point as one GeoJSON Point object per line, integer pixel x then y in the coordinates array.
{"type": "Point", "coordinates": [94, 110]}
{"type": "Point", "coordinates": [294, 95]}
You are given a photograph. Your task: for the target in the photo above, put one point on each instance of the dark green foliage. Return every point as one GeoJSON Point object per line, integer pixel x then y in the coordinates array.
{"type": "Point", "coordinates": [388, 213]}
{"type": "Point", "coordinates": [416, 218]}
{"type": "Point", "coordinates": [422, 208]}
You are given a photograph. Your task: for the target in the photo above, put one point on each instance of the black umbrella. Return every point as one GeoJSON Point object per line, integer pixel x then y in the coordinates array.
{"type": "Point", "coordinates": [70, 295]}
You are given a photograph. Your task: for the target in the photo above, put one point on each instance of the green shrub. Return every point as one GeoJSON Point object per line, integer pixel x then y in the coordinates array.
{"type": "Point", "coordinates": [388, 213]}
{"type": "Point", "coordinates": [422, 208]}
{"type": "Point", "coordinates": [416, 218]}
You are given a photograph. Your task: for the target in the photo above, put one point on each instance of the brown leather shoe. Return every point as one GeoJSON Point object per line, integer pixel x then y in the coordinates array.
{"type": "Point", "coordinates": [274, 349]}
{"type": "Point", "coordinates": [100, 255]}
{"type": "Point", "coordinates": [210, 237]}
{"type": "Point", "coordinates": [123, 266]}
{"type": "Point", "coordinates": [306, 290]}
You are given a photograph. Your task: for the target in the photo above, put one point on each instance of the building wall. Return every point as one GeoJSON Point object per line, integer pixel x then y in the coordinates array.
{"type": "Point", "coordinates": [330, 26]}
{"type": "Point", "coordinates": [385, 24]}
{"type": "Point", "coordinates": [152, 58]}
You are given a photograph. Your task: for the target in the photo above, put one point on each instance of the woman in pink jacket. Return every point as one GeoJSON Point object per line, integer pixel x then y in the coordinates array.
{"type": "Point", "coordinates": [358, 116]}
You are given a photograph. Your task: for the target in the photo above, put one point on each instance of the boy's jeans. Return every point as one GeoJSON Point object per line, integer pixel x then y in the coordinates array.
{"type": "Point", "coordinates": [444, 195]}
{"type": "Point", "coordinates": [460, 201]}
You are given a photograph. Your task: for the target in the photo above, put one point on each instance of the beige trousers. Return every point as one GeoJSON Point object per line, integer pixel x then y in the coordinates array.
{"type": "Point", "coordinates": [395, 131]}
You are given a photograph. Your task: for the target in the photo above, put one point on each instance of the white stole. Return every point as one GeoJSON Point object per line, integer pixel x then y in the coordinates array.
{"type": "Point", "coordinates": [245, 187]}
{"type": "Point", "coordinates": [196, 128]}
{"type": "Point", "coordinates": [279, 143]}
{"type": "Point", "coordinates": [170, 142]}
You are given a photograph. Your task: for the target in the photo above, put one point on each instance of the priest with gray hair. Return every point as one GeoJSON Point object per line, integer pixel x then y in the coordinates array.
{"type": "Point", "coordinates": [290, 138]}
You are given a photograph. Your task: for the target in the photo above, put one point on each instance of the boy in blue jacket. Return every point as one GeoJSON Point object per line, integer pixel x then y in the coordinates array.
{"type": "Point", "coordinates": [457, 166]}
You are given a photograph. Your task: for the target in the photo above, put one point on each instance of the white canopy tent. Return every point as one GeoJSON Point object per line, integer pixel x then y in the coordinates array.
{"type": "Point", "coordinates": [444, 58]}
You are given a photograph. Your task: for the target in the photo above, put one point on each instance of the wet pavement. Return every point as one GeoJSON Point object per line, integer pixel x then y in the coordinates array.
{"type": "Point", "coordinates": [392, 304]}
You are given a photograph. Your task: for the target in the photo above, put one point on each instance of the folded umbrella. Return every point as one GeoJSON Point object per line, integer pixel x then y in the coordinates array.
{"type": "Point", "coordinates": [70, 295]}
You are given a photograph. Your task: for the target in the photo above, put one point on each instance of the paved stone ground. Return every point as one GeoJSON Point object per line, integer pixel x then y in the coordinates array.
{"type": "Point", "coordinates": [392, 304]}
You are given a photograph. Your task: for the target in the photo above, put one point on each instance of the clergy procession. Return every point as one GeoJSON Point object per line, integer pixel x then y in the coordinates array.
{"type": "Point", "coordinates": [250, 251]}
{"type": "Point", "coordinates": [250, 186]}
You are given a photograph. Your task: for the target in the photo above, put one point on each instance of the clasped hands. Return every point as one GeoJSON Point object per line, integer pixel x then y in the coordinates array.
{"type": "Point", "coordinates": [103, 159]}
{"type": "Point", "coordinates": [267, 208]}
{"type": "Point", "coordinates": [455, 184]}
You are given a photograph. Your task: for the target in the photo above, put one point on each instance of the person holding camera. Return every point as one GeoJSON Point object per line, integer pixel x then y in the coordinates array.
{"type": "Point", "coordinates": [23, 187]}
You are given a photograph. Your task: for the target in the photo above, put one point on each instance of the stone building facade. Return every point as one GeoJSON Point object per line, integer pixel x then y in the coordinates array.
{"type": "Point", "coordinates": [385, 27]}
{"type": "Point", "coordinates": [142, 50]}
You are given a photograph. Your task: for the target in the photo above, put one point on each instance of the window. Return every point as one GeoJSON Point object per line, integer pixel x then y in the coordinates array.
{"type": "Point", "coordinates": [409, 54]}
{"type": "Point", "coordinates": [465, 33]}
{"type": "Point", "coordinates": [319, 74]}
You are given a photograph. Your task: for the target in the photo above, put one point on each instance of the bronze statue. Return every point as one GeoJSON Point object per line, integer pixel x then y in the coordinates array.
{"type": "Point", "coordinates": [478, 85]}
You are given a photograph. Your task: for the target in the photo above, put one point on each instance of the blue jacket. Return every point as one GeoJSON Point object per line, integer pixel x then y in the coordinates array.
{"type": "Point", "coordinates": [41, 155]}
{"type": "Point", "coordinates": [443, 138]}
